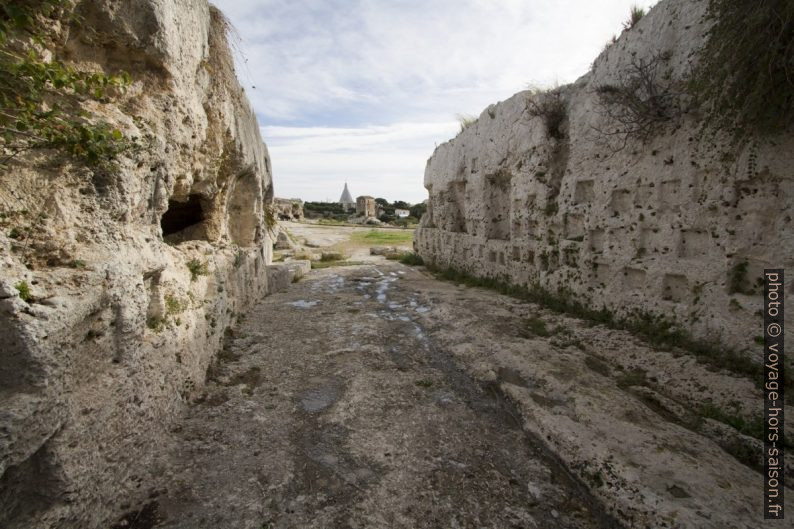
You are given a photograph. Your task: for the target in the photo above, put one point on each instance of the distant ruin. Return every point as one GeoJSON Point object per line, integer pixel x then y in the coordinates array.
{"type": "Point", "coordinates": [366, 207]}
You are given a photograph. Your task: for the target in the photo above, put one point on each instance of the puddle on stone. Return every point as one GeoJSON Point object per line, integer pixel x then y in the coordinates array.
{"type": "Point", "coordinates": [383, 287]}
{"type": "Point", "coordinates": [320, 397]}
{"type": "Point", "coordinates": [303, 304]}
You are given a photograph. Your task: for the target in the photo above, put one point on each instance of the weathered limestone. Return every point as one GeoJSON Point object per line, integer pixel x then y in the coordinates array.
{"type": "Point", "coordinates": [288, 208]}
{"type": "Point", "coordinates": [135, 273]}
{"type": "Point", "coordinates": [681, 226]}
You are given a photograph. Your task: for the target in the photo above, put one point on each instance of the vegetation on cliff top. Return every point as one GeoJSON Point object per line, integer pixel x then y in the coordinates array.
{"type": "Point", "coordinates": [41, 98]}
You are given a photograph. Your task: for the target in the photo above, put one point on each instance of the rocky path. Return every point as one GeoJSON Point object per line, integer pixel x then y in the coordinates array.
{"type": "Point", "coordinates": [333, 406]}
{"type": "Point", "coordinates": [377, 396]}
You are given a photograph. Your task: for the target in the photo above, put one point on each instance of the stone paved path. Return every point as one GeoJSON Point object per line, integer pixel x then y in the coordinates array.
{"type": "Point", "coordinates": [332, 407]}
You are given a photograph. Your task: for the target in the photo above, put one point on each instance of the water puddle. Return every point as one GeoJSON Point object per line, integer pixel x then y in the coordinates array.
{"type": "Point", "coordinates": [320, 397]}
{"type": "Point", "coordinates": [303, 304]}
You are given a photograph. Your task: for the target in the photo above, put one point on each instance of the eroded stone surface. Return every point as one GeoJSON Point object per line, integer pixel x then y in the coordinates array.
{"type": "Point", "coordinates": [356, 418]}
{"type": "Point", "coordinates": [402, 401]}
{"type": "Point", "coordinates": [681, 226]}
{"type": "Point", "coordinates": [135, 271]}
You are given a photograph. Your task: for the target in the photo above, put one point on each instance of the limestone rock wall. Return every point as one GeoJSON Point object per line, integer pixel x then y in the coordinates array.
{"type": "Point", "coordinates": [135, 272]}
{"type": "Point", "coordinates": [680, 226]}
{"type": "Point", "coordinates": [289, 208]}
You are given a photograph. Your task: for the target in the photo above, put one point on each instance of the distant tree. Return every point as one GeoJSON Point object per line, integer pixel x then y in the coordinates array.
{"type": "Point", "coordinates": [382, 201]}
{"type": "Point", "coordinates": [407, 221]}
{"type": "Point", "coordinates": [417, 210]}
{"type": "Point", "coordinates": [399, 204]}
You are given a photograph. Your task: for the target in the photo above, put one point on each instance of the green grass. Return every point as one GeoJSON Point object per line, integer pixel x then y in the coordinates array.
{"type": "Point", "coordinates": [174, 305]}
{"type": "Point", "coordinates": [317, 265]}
{"type": "Point", "coordinates": [24, 291]}
{"type": "Point", "coordinates": [332, 222]}
{"type": "Point", "coordinates": [411, 259]}
{"type": "Point", "coordinates": [375, 236]}
{"type": "Point", "coordinates": [407, 258]}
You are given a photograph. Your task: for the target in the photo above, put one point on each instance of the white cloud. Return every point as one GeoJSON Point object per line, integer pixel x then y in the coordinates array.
{"type": "Point", "coordinates": [364, 75]}
{"type": "Point", "coordinates": [383, 161]}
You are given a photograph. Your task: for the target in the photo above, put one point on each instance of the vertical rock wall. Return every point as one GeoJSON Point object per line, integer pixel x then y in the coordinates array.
{"type": "Point", "coordinates": [680, 226]}
{"type": "Point", "coordinates": [135, 271]}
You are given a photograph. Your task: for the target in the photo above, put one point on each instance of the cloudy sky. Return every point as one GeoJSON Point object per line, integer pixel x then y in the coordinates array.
{"type": "Point", "coordinates": [361, 91]}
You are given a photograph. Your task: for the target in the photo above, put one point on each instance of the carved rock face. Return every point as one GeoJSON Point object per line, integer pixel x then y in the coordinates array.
{"type": "Point", "coordinates": [134, 273]}
{"type": "Point", "coordinates": [678, 223]}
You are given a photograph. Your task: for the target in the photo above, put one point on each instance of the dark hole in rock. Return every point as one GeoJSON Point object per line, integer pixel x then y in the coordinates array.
{"type": "Point", "coordinates": [182, 215]}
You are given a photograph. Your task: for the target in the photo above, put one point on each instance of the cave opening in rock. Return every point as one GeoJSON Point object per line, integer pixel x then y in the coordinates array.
{"type": "Point", "coordinates": [182, 215]}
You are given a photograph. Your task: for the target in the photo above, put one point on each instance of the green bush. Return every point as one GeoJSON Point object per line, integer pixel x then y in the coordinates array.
{"type": "Point", "coordinates": [41, 100]}
{"type": "Point", "coordinates": [639, 101]}
{"type": "Point", "coordinates": [417, 210]}
{"type": "Point", "coordinates": [551, 107]}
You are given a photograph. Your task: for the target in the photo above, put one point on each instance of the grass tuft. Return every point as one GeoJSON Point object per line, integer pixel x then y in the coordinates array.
{"type": "Point", "coordinates": [635, 15]}
{"type": "Point", "coordinates": [197, 268]}
{"type": "Point", "coordinates": [411, 259]}
{"type": "Point", "coordinates": [24, 291]}
{"type": "Point", "coordinates": [466, 121]}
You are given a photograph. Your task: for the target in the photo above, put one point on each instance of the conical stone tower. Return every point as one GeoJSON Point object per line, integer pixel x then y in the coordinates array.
{"type": "Point", "coordinates": [347, 199]}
